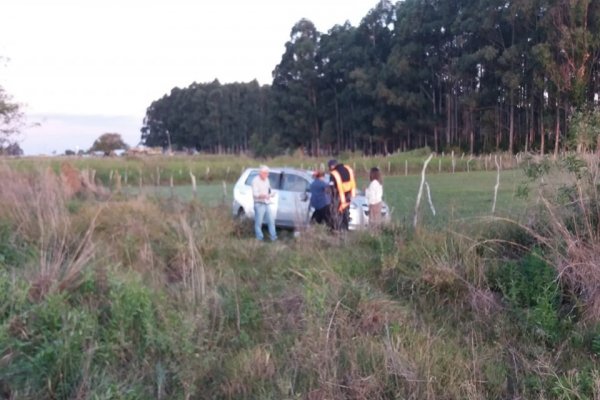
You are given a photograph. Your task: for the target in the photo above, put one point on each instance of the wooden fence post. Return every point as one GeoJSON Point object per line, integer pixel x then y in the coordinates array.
{"type": "Point", "coordinates": [497, 184]}
{"type": "Point", "coordinates": [117, 182]}
{"type": "Point", "coordinates": [420, 193]}
{"type": "Point", "coordinates": [193, 177]}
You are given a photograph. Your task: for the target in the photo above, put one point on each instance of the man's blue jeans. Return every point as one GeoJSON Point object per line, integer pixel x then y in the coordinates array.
{"type": "Point", "coordinates": [263, 211]}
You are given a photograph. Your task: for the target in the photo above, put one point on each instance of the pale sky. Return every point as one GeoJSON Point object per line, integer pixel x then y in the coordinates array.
{"type": "Point", "coordinates": [85, 67]}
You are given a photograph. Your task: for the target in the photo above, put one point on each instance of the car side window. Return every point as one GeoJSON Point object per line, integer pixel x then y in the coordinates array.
{"type": "Point", "coordinates": [294, 183]}
{"type": "Point", "coordinates": [273, 179]}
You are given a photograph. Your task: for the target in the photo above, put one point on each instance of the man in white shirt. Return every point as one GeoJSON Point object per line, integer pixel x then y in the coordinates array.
{"type": "Point", "coordinates": [261, 193]}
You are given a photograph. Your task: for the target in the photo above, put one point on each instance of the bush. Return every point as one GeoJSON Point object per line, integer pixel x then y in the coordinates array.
{"type": "Point", "coordinates": [530, 286]}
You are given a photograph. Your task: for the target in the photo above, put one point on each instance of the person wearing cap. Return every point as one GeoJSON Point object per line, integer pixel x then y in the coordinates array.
{"type": "Point", "coordinates": [261, 193]}
{"type": "Point", "coordinates": [343, 187]}
{"type": "Point", "coordinates": [320, 199]}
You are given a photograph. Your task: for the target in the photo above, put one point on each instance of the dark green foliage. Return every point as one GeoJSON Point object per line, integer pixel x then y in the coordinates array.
{"type": "Point", "coordinates": [580, 381]}
{"type": "Point", "coordinates": [57, 345]}
{"type": "Point", "coordinates": [210, 117]}
{"type": "Point", "coordinates": [109, 142]}
{"type": "Point", "coordinates": [13, 252]}
{"type": "Point", "coordinates": [47, 343]}
{"type": "Point", "coordinates": [242, 312]}
{"type": "Point", "coordinates": [575, 165]}
{"type": "Point", "coordinates": [535, 170]}
{"type": "Point", "coordinates": [584, 128]}
{"type": "Point", "coordinates": [530, 286]}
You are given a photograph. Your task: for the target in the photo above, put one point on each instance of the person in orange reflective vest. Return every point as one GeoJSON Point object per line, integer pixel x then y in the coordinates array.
{"type": "Point", "coordinates": [343, 187]}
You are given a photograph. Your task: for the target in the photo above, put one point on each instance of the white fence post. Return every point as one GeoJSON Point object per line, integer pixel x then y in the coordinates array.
{"type": "Point", "coordinates": [420, 193]}
{"type": "Point", "coordinates": [497, 184]}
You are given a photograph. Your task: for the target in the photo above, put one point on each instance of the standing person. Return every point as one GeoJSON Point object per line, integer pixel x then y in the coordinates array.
{"type": "Point", "coordinates": [343, 190]}
{"type": "Point", "coordinates": [374, 194]}
{"type": "Point", "coordinates": [320, 199]}
{"type": "Point", "coordinates": [261, 193]}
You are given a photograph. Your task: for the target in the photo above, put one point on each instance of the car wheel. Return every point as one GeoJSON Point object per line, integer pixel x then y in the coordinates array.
{"type": "Point", "coordinates": [241, 214]}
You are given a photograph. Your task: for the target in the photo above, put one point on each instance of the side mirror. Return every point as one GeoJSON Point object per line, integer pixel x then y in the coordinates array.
{"type": "Point", "coordinates": [304, 196]}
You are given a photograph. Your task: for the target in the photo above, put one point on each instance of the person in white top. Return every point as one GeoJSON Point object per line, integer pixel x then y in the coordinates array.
{"type": "Point", "coordinates": [374, 194]}
{"type": "Point", "coordinates": [261, 193]}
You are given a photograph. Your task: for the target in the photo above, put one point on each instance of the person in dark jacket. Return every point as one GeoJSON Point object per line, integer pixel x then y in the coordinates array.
{"type": "Point", "coordinates": [320, 199]}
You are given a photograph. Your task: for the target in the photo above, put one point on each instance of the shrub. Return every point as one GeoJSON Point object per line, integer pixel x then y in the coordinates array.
{"type": "Point", "coordinates": [531, 288]}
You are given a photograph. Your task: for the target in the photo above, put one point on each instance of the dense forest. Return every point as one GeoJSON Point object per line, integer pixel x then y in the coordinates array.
{"type": "Point", "coordinates": [474, 75]}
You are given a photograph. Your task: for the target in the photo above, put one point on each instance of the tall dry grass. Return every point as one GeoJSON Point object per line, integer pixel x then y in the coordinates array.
{"type": "Point", "coordinates": [87, 250]}
{"type": "Point", "coordinates": [566, 224]}
{"type": "Point", "coordinates": [35, 205]}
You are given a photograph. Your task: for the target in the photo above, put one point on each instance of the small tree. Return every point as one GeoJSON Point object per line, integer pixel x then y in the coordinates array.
{"type": "Point", "coordinates": [11, 121]}
{"type": "Point", "coordinates": [108, 143]}
{"type": "Point", "coordinates": [584, 129]}
{"type": "Point", "coordinates": [12, 149]}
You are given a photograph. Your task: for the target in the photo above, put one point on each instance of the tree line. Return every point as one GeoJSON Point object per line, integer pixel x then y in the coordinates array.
{"type": "Point", "coordinates": [470, 75]}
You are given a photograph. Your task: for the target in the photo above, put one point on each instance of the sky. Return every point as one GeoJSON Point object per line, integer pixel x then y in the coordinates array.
{"type": "Point", "coordinates": [81, 68]}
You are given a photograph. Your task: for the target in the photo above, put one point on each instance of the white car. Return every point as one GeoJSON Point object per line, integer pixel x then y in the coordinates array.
{"type": "Point", "coordinates": [290, 188]}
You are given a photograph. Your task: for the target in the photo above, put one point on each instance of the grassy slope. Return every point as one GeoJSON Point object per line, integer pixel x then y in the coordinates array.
{"type": "Point", "coordinates": [177, 301]}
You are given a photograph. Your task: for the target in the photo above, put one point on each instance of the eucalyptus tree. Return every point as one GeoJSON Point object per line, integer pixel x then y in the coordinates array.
{"type": "Point", "coordinates": [416, 70]}
{"type": "Point", "coordinates": [506, 71]}
{"type": "Point", "coordinates": [208, 117]}
{"type": "Point", "coordinates": [569, 56]}
{"type": "Point", "coordinates": [296, 89]}
{"type": "Point", "coordinates": [154, 130]}
{"type": "Point", "coordinates": [337, 57]}
{"type": "Point", "coordinates": [374, 36]}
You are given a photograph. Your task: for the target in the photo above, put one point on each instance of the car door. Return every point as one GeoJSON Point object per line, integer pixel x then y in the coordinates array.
{"type": "Point", "coordinates": [246, 192]}
{"type": "Point", "coordinates": [293, 199]}
{"type": "Point", "coordinates": [275, 182]}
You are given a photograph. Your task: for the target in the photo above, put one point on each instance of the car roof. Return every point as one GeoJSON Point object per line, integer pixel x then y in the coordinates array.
{"type": "Point", "coordinates": [307, 173]}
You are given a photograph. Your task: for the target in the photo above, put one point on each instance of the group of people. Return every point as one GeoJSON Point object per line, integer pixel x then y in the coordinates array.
{"type": "Point", "coordinates": [330, 200]}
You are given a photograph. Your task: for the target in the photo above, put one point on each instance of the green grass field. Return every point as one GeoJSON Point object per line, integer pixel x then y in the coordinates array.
{"type": "Point", "coordinates": [456, 197]}
{"type": "Point", "coordinates": [216, 168]}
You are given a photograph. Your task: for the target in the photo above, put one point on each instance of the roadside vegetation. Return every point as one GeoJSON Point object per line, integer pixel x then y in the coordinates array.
{"type": "Point", "coordinates": [136, 297]}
